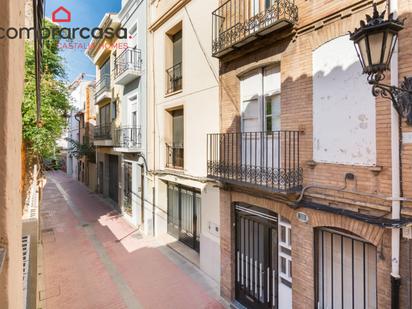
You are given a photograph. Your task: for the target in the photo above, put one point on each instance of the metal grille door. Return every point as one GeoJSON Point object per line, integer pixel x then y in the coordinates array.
{"type": "Point", "coordinates": [256, 258]}
{"type": "Point", "coordinates": [346, 271]}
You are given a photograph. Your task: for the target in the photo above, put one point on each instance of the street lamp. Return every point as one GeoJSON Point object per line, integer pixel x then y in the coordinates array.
{"type": "Point", "coordinates": [374, 42]}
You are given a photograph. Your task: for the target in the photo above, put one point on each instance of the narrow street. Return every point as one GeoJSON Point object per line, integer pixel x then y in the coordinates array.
{"type": "Point", "coordinates": [92, 258]}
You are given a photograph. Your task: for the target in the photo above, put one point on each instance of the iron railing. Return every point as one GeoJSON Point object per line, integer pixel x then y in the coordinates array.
{"type": "Point", "coordinates": [263, 159]}
{"type": "Point", "coordinates": [102, 85]}
{"type": "Point", "coordinates": [237, 20]}
{"type": "Point", "coordinates": [175, 156]}
{"type": "Point", "coordinates": [103, 132]}
{"type": "Point", "coordinates": [128, 137]}
{"type": "Point", "coordinates": [129, 59]}
{"type": "Point", "coordinates": [174, 78]}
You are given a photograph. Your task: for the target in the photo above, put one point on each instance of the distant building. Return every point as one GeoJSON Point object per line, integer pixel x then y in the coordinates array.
{"type": "Point", "coordinates": [103, 53]}
{"type": "Point", "coordinates": [81, 91]}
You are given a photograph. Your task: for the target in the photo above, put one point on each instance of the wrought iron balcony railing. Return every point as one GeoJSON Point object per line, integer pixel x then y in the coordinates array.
{"type": "Point", "coordinates": [103, 132]}
{"type": "Point", "coordinates": [262, 159]}
{"type": "Point", "coordinates": [237, 22]}
{"type": "Point", "coordinates": [129, 59]}
{"type": "Point", "coordinates": [174, 78]}
{"type": "Point", "coordinates": [175, 156]}
{"type": "Point", "coordinates": [128, 137]}
{"type": "Point", "coordinates": [102, 85]}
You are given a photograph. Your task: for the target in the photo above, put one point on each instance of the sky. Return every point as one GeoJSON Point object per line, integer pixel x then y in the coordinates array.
{"type": "Point", "coordinates": [85, 13]}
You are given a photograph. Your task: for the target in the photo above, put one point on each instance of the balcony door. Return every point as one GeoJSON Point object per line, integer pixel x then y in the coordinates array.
{"type": "Point", "coordinates": [105, 69]}
{"type": "Point", "coordinates": [127, 188]}
{"type": "Point", "coordinates": [260, 108]}
{"type": "Point", "coordinates": [175, 153]}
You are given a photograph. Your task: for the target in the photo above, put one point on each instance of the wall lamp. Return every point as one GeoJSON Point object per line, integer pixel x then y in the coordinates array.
{"type": "Point", "coordinates": [375, 41]}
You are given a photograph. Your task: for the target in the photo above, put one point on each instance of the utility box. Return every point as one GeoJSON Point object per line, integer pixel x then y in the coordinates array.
{"type": "Point", "coordinates": [407, 232]}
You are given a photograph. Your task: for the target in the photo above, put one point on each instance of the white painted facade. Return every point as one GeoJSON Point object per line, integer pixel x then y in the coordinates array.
{"type": "Point", "coordinates": [199, 98]}
{"type": "Point", "coordinates": [78, 99]}
{"type": "Point", "coordinates": [133, 111]}
{"type": "Point", "coordinates": [342, 104]}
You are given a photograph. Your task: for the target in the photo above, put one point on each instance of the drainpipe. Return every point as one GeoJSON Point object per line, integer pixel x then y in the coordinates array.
{"type": "Point", "coordinates": [396, 176]}
{"type": "Point", "coordinates": [152, 98]}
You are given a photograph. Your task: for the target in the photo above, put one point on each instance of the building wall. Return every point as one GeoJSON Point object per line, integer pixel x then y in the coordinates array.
{"type": "Point", "coordinates": [323, 23]}
{"type": "Point", "coordinates": [296, 61]}
{"type": "Point", "coordinates": [133, 15]}
{"type": "Point", "coordinates": [405, 69]}
{"type": "Point", "coordinates": [303, 251]}
{"type": "Point", "coordinates": [11, 94]}
{"type": "Point", "coordinates": [199, 98]}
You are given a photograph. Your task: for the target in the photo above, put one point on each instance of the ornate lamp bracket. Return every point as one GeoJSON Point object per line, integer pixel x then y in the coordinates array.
{"type": "Point", "coordinates": [401, 97]}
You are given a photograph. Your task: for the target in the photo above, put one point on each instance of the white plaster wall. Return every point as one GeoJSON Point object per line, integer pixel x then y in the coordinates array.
{"type": "Point", "coordinates": [161, 207]}
{"type": "Point", "coordinates": [210, 233]}
{"type": "Point", "coordinates": [199, 97]}
{"type": "Point", "coordinates": [344, 116]}
{"type": "Point", "coordinates": [200, 100]}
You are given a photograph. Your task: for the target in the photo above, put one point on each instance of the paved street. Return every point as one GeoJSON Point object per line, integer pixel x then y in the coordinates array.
{"type": "Point", "coordinates": [94, 259]}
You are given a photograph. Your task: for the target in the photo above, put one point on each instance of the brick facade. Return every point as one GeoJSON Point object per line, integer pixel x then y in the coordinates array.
{"type": "Point", "coordinates": [319, 22]}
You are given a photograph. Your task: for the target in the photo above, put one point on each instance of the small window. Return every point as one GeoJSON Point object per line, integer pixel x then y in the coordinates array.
{"type": "Point", "coordinates": [285, 251]}
{"type": "Point", "coordinates": [175, 149]}
{"type": "Point", "coordinates": [272, 113]}
{"type": "Point", "coordinates": [105, 69]}
{"type": "Point", "coordinates": [174, 55]}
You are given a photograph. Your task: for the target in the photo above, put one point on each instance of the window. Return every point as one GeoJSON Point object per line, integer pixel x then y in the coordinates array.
{"type": "Point", "coordinates": [342, 100]}
{"type": "Point", "coordinates": [346, 271]}
{"type": "Point", "coordinates": [104, 115]}
{"type": "Point", "coordinates": [174, 44]}
{"type": "Point", "coordinates": [285, 252]}
{"type": "Point", "coordinates": [177, 48]}
{"type": "Point", "coordinates": [272, 113]}
{"type": "Point", "coordinates": [260, 96]}
{"type": "Point", "coordinates": [132, 42]}
{"type": "Point", "coordinates": [175, 150]}
{"type": "Point", "coordinates": [105, 69]}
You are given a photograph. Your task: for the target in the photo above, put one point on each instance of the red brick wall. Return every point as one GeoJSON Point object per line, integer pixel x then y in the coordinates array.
{"type": "Point", "coordinates": [319, 22]}
{"type": "Point", "coordinates": [303, 285]}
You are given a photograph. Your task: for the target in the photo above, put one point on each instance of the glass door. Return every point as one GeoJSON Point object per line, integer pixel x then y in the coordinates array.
{"type": "Point", "coordinates": [183, 215]}
{"type": "Point", "coordinates": [127, 188]}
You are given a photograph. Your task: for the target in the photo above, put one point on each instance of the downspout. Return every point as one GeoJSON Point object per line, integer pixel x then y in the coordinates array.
{"type": "Point", "coordinates": [396, 181]}
{"type": "Point", "coordinates": [153, 101]}
{"type": "Point", "coordinates": [78, 161]}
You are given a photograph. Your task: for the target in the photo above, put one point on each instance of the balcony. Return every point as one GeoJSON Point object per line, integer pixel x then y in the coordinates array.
{"type": "Point", "coordinates": [239, 22]}
{"type": "Point", "coordinates": [103, 135]}
{"type": "Point", "coordinates": [268, 160]}
{"type": "Point", "coordinates": [174, 78]}
{"type": "Point", "coordinates": [102, 89]}
{"type": "Point", "coordinates": [127, 139]}
{"type": "Point", "coordinates": [175, 156]}
{"type": "Point", "coordinates": [127, 66]}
